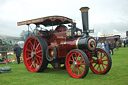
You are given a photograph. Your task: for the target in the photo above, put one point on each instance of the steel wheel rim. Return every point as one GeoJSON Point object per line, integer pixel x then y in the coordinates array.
{"type": "Point", "coordinates": [75, 64]}
{"type": "Point", "coordinates": [32, 54]}
{"type": "Point", "coordinates": [99, 64]}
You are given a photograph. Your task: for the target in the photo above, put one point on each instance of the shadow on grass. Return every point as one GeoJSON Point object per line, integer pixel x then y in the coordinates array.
{"type": "Point", "coordinates": [63, 72]}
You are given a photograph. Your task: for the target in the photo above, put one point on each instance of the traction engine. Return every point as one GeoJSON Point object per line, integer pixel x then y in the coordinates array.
{"type": "Point", "coordinates": [64, 47]}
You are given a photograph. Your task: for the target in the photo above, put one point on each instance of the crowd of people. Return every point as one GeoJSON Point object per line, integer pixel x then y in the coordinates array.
{"type": "Point", "coordinates": [110, 45]}
{"type": "Point", "coordinates": [125, 43]}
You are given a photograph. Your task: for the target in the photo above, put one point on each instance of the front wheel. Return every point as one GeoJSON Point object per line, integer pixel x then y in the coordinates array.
{"type": "Point", "coordinates": [77, 63]}
{"type": "Point", "coordinates": [101, 62]}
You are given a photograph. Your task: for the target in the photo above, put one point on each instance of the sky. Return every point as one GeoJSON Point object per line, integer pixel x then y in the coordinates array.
{"type": "Point", "coordinates": [105, 16]}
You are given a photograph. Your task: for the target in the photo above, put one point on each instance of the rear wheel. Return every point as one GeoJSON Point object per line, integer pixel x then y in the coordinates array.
{"type": "Point", "coordinates": [77, 63]}
{"type": "Point", "coordinates": [34, 54]}
{"type": "Point", "coordinates": [100, 63]}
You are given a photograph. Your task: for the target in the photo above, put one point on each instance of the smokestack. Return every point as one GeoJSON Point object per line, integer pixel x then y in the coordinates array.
{"type": "Point", "coordinates": [84, 13]}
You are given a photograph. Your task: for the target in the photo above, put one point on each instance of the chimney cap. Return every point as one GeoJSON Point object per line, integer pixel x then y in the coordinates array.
{"type": "Point", "coordinates": [84, 9]}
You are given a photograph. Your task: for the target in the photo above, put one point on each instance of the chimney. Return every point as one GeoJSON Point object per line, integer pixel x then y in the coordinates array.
{"type": "Point", "coordinates": [84, 13]}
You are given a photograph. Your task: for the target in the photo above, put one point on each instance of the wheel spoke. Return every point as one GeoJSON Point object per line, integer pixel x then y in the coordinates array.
{"type": "Point", "coordinates": [31, 44]}
{"type": "Point", "coordinates": [102, 57]}
{"type": "Point", "coordinates": [70, 65]}
{"type": "Point", "coordinates": [100, 67]}
{"type": "Point", "coordinates": [29, 58]}
{"type": "Point", "coordinates": [82, 63]}
{"type": "Point", "coordinates": [81, 60]}
{"type": "Point", "coordinates": [34, 64]}
{"type": "Point", "coordinates": [78, 56]}
{"type": "Point", "coordinates": [28, 50]}
{"type": "Point", "coordinates": [94, 60]}
{"type": "Point", "coordinates": [95, 65]}
{"type": "Point", "coordinates": [38, 51]}
{"type": "Point", "coordinates": [82, 67]}
{"type": "Point", "coordinates": [72, 58]}
{"type": "Point", "coordinates": [79, 70]}
{"type": "Point", "coordinates": [103, 66]}
{"type": "Point", "coordinates": [37, 46]}
{"type": "Point", "coordinates": [105, 60]}
{"type": "Point", "coordinates": [37, 61]}
{"type": "Point", "coordinates": [39, 56]}
{"type": "Point", "coordinates": [73, 69]}
{"type": "Point", "coordinates": [34, 44]}
{"type": "Point", "coordinates": [101, 54]}
{"type": "Point", "coordinates": [31, 64]}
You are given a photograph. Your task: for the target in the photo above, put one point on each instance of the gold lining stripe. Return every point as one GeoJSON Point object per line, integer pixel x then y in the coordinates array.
{"type": "Point", "coordinates": [77, 42]}
{"type": "Point", "coordinates": [84, 9]}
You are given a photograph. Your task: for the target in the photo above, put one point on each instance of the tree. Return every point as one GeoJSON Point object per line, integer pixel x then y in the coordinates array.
{"type": "Point", "coordinates": [25, 34]}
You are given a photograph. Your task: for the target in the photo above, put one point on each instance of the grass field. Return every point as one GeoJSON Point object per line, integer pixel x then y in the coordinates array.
{"type": "Point", "coordinates": [118, 74]}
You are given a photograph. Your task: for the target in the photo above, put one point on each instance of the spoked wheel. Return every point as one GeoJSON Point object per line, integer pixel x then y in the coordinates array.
{"type": "Point", "coordinates": [77, 63]}
{"type": "Point", "coordinates": [100, 63]}
{"type": "Point", "coordinates": [34, 54]}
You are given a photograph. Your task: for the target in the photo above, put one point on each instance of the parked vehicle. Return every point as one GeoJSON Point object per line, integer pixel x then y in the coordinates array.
{"type": "Point", "coordinates": [72, 47]}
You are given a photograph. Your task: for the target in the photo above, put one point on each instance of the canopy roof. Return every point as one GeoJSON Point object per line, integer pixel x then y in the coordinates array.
{"type": "Point", "coordinates": [47, 21]}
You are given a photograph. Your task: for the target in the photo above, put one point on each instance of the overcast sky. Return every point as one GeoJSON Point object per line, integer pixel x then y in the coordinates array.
{"type": "Point", "coordinates": [105, 16]}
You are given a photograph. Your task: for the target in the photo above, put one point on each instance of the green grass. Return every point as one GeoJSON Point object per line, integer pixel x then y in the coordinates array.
{"type": "Point", "coordinates": [118, 74]}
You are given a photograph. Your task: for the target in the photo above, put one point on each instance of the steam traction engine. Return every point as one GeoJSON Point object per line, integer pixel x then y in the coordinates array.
{"type": "Point", "coordinates": [71, 47]}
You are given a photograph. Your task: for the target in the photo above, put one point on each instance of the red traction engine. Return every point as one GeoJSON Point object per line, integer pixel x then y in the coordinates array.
{"type": "Point", "coordinates": [69, 48]}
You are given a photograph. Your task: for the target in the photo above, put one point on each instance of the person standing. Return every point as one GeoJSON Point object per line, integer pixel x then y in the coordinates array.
{"type": "Point", "coordinates": [106, 46]}
{"type": "Point", "coordinates": [127, 43]}
{"type": "Point", "coordinates": [17, 51]}
{"type": "Point", "coordinates": [117, 44]}
{"type": "Point", "coordinates": [114, 44]}
{"type": "Point", "coordinates": [99, 44]}
{"type": "Point", "coordinates": [102, 45]}
{"type": "Point", "coordinates": [124, 42]}
{"type": "Point", "coordinates": [111, 47]}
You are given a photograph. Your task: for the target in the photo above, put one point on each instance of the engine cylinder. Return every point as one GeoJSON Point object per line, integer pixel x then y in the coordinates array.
{"type": "Point", "coordinates": [86, 43]}
{"type": "Point", "coordinates": [81, 43]}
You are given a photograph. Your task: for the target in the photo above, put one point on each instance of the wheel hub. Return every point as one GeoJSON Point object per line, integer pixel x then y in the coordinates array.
{"type": "Point", "coordinates": [100, 61]}
{"type": "Point", "coordinates": [76, 63]}
{"type": "Point", "coordinates": [33, 54]}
